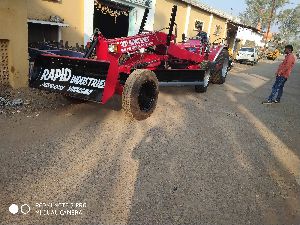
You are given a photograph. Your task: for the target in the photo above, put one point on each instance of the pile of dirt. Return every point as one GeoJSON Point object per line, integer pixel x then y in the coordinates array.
{"type": "Point", "coordinates": [26, 100]}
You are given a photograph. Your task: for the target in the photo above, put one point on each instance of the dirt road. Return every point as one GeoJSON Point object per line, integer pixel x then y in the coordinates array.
{"type": "Point", "coordinates": [215, 158]}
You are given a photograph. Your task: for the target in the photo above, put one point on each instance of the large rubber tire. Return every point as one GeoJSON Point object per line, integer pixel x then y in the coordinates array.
{"type": "Point", "coordinates": [140, 94]}
{"type": "Point", "coordinates": [203, 88]}
{"type": "Point", "coordinates": [218, 76]}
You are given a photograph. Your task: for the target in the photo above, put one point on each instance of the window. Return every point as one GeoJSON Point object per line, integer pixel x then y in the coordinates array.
{"type": "Point", "coordinates": [218, 29]}
{"type": "Point", "coordinates": [198, 24]}
{"type": "Point", "coordinates": [45, 31]}
{"type": "Point", "coordinates": [42, 33]}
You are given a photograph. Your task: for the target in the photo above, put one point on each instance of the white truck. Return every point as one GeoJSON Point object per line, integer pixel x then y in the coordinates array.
{"type": "Point", "coordinates": [247, 55]}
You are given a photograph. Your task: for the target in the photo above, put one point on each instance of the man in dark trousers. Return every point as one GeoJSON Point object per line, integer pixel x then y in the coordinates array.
{"type": "Point", "coordinates": [282, 74]}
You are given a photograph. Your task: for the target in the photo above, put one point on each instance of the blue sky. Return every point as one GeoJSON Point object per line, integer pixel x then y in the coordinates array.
{"type": "Point", "coordinates": [235, 7]}
{"type": "Point", "coordinates": [225, 5]}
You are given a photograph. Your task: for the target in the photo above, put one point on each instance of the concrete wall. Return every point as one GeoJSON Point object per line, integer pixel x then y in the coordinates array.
{"type": "Point", "coordinates": [13, 27]}
{"type": "Point", "coordinates": [72, 11]}
{"type": "Point", "coordinates": [218, 21]}
{"type": "Point", "coordinates": [232, 31]}
{"type": "Point", "coordinates": [88, 20]}
{"type": "Point", "coordinates": [163, 11]}
{"type": "Point", "coordinates": [198, 14]}
{"type": "Point", "coordinates": [186, 17]}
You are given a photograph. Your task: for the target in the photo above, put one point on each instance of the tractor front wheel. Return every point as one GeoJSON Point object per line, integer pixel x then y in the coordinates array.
{"type": "Point", "coordinates": [140, 94]}
{"type": "Point", "coordinates": [219, 75]}
{"type": "Point", "coordinates": [203, 88]}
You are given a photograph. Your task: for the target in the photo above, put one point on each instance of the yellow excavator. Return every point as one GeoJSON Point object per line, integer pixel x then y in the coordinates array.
{"type": "Point", "coordinates": [273, 54]}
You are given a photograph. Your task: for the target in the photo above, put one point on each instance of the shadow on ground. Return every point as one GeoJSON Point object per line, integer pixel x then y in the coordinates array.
{"type": "Point", "coordinates": [214, 158]}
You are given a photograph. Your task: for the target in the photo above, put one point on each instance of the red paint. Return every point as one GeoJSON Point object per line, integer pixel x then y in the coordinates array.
{"type": "Point", "coordinates": [147, 60]}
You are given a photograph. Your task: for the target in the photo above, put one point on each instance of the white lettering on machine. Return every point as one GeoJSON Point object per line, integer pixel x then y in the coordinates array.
{"type": "Point", "coordinates": [65, 75]}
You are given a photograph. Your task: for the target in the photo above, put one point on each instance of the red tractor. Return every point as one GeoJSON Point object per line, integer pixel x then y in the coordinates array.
{"type": "Point", "coordinates": [133, 67]}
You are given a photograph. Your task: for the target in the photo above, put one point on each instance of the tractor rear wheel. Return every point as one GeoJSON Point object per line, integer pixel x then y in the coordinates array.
{"type": "Point", "coordinates": [220, 68]}
{"type": "Point", "coordinates": [140, 94]}
{"type": "Point", "coordinates": [203, 88]}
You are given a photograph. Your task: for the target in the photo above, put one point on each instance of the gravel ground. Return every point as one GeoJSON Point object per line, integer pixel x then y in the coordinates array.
{"type": "Point", "coordinates": [28, 101]}
{"type": "Point", "coordinates": [215, 158]}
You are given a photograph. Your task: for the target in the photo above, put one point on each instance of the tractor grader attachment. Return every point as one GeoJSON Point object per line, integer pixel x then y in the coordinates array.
{"type": "Point", "coordinates": [80, 78]}
{"type": "Point", "coordinates": [133, 67]}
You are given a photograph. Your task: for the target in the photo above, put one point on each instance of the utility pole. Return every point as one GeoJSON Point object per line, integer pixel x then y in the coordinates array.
{"type": "Point", "coordinates": [270, 21]}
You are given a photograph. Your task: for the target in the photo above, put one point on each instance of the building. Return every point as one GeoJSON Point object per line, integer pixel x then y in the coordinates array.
{"type": "Point", "coordinates": [243, 35]}
{"type": "Point", "coordinates": [191, 13]}
{"type": "Point", "coordinates": [25, 22]}
{"type": "Point", "coordinates": [250, 34]}
{"type": "Point", "coordinates": [13, 42]}
{"type": "Point", "coordinates": [122, 17]}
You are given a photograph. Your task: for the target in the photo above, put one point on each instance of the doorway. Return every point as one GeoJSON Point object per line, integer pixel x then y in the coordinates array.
{"type": "Point", "coordinates": [42, 33]}
{"type": "Point", "coordinates": [109, 25]}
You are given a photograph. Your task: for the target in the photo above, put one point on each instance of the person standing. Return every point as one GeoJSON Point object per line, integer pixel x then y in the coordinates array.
{"type": "Point", "coordinates": [282, 74]}
{"type": "Point", "coordinates": [202, 35]}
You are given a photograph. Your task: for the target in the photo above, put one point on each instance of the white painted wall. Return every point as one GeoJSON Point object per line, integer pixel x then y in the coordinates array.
{"type": "Point", "coordinates": [88, 19]}
{"type": "Point", "coordinates": [150, 22]}
{"type": "Point", "coordinates": [210, 23]}
{"type": "Point", "coordinates": [135, 19]}
{"type": "Point", "coordinates": [187, 19]}
{"type": "Point", "coordinates": [246, 34]}
{"type": "Point", "coordinates": [136, 16]}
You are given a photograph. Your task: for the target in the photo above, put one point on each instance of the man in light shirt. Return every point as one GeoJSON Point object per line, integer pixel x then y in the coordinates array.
{"type": "Point", "coordinates": [282, 74]}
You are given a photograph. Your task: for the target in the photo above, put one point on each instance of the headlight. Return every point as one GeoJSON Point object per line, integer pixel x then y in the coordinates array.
{"type": "Point", "coordinates": [113, 48]}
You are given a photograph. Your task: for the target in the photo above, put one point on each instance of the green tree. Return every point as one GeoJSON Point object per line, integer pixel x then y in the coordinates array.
{"type": "Point", "coordinates": [289, 23]}
{"type": "Point", "coordinates": [259, 11]}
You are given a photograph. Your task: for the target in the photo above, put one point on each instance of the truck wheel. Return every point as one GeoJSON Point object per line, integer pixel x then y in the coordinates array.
{"type": "Point", "coordinates": [140, 94]}
{"type": "Point", "coordinates": [219, 76]}
{"type": "Point", "coordinates": [203, 88]}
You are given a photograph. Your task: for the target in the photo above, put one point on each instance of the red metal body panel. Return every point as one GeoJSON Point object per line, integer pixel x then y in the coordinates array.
{"type": "Point", "coordinates": [181, 53]}
{"type": "Point", "coordinates": [132, 45]}
{"type": "Point", "coordinates": [199, 49]}
{"type": "Point", "coordinates": [117, 58]}
{"type": "Point", "coordinates": [111, 80]}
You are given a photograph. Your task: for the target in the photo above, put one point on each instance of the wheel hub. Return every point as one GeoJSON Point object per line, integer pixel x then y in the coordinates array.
{"type": "Point", "coordinates": [147, 96]}
{"type": "Point", "coordinates": [206, 78]}
{"type": "Point", "coordinates": [225, 68]}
